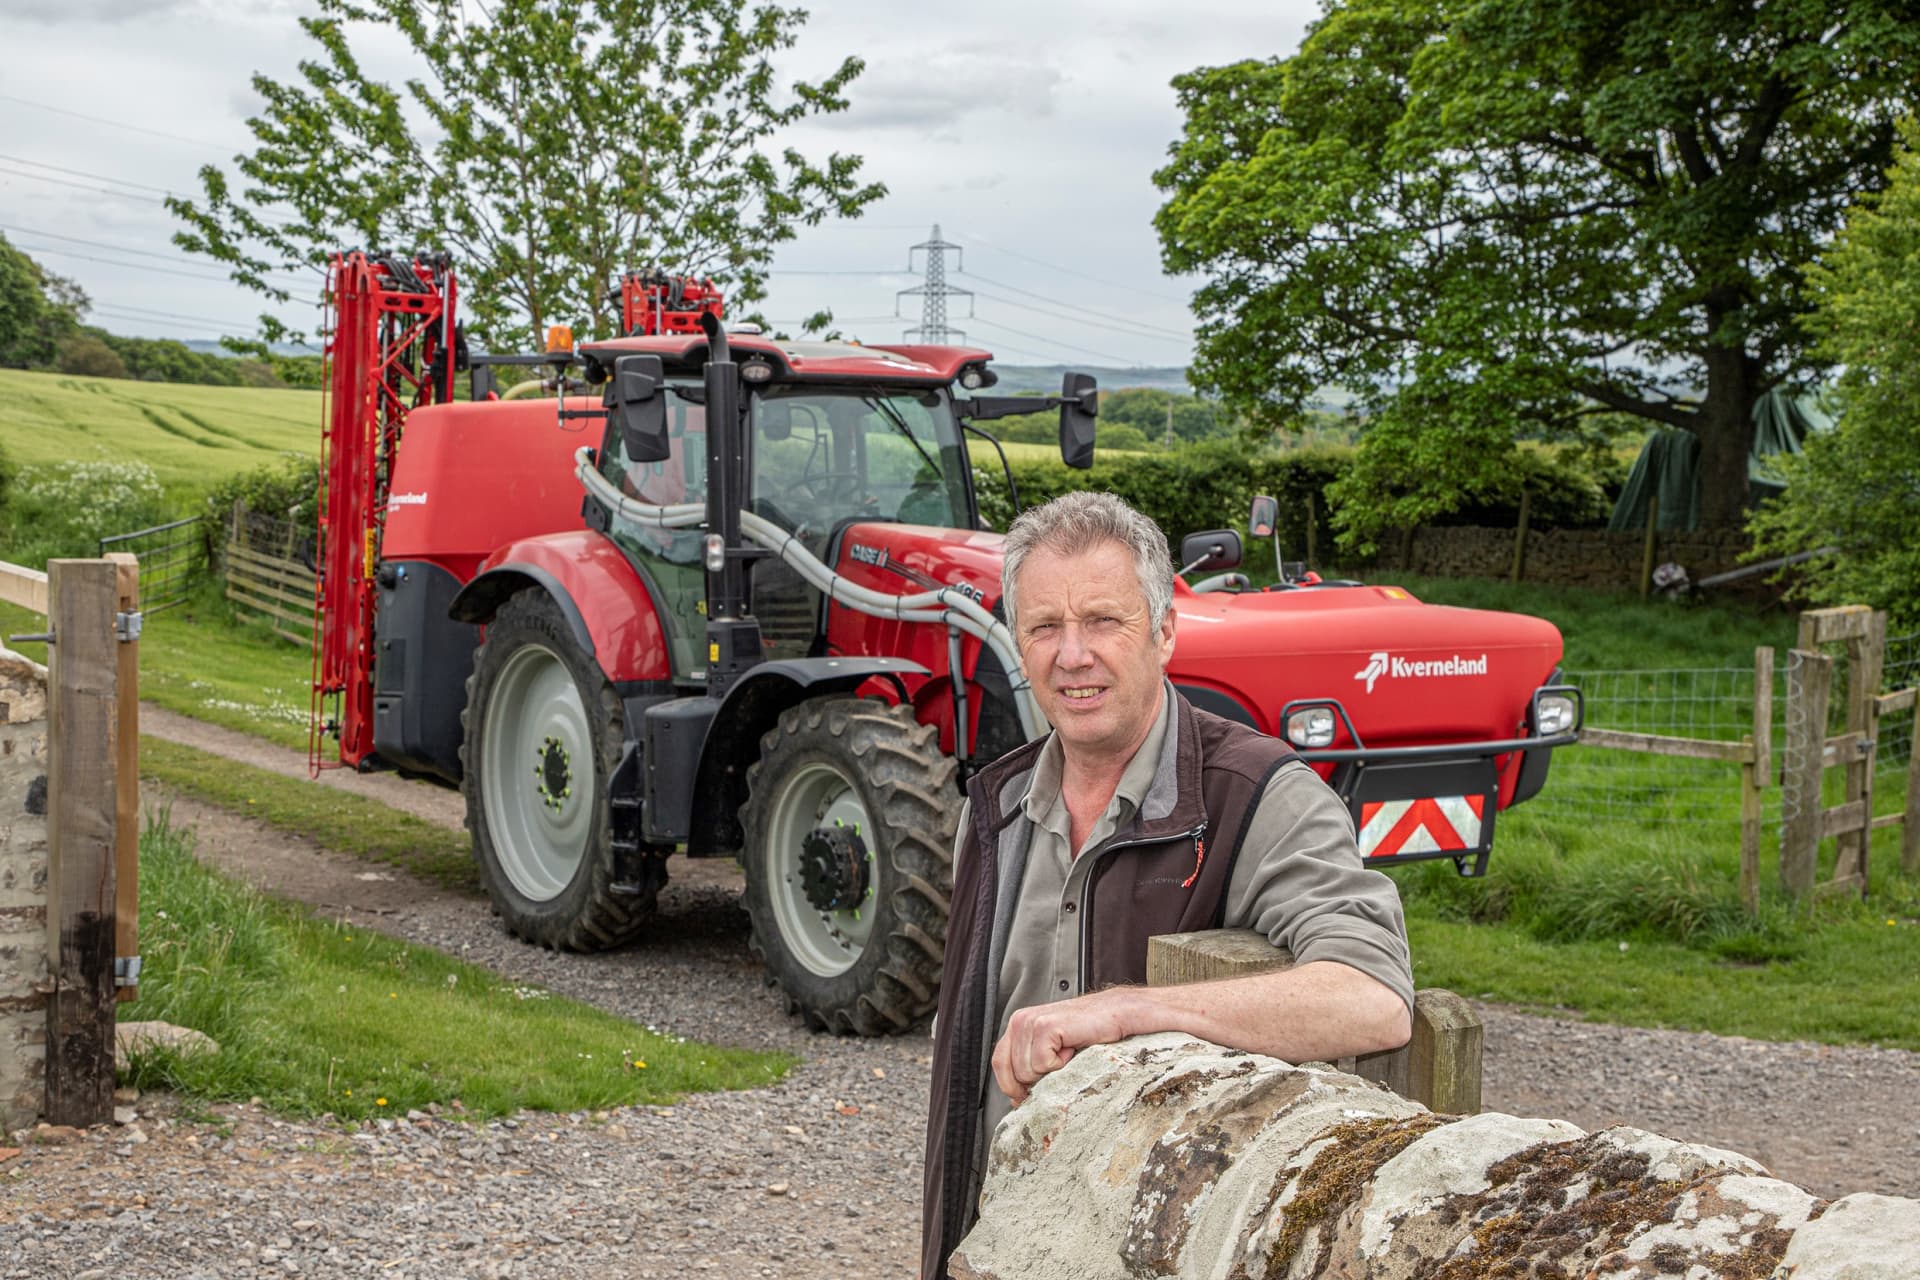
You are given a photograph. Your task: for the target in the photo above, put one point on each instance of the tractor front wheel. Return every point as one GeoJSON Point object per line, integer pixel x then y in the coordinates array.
{"type": "Point", "coordinates": [543, 732]}
{"type": "Point", "coordinates": [849, 862]}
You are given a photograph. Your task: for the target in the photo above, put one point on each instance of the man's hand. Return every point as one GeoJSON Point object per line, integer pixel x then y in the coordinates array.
{"type": "Point", "coordinates": [1044, 1037]}
{"type": "Point", "coordinates": [1313, 1012]}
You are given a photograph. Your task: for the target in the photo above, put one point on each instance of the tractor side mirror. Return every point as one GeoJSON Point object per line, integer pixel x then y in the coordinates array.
{"type": "Point", "coordinates": [634, 402]}
{"type": "Point", "coordinates": [1265, 515]}
{"type": "Point", "coordinates": [1079, 404]}
{"type": "Point", "coordinates": [1210, 552]}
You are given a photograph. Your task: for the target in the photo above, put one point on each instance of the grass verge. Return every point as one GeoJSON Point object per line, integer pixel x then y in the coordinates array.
{"type": "Point", "coordinates": [339, 821]}
{"type": "Point", "coordinates": [315, 1017]}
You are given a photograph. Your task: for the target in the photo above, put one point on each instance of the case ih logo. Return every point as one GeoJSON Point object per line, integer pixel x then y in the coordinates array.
{"type": "Point", "coordinates": [1382, 663]}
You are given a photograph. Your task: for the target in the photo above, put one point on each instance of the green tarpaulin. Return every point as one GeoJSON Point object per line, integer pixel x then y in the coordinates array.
{"type": "Point", "coordinates": [1669, 463]}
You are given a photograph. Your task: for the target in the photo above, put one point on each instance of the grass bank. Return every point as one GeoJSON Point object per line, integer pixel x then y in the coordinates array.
{"type": "Point", "coordinates": [315, 1017]}
{"type": "Point", "coordinates": [337, 820]}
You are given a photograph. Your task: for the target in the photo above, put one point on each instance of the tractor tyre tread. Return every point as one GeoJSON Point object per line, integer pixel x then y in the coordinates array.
{"type": "Point", "coordinates": [912, 798]}
{"type": "Point", "coordinates": [588, 915]}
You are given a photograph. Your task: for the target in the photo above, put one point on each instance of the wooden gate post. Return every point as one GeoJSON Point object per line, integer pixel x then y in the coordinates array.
{"type": "Point", "coordinates": [126, 804]}
{"type": "Point", "coordinates": [1754, 776]}
{"type": "Point", "coordinates": [1866, 658]}
{"type": "Point", "coordinates": [1440, 1067]}
{"type": "Point", "coordinates": [1809, 685]}
{"type": "Point", "coordinates": [1910, 831]}
{"type": "Point", "coordinates": [83, 733]}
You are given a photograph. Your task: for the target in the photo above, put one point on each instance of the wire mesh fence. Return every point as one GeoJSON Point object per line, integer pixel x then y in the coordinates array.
{"type": "Point", "coordinates": [1605, 784]}
{"type": "Point", "coordinates": [1609, 785]}
{"type": "Point", "coordinates": [173, 558]}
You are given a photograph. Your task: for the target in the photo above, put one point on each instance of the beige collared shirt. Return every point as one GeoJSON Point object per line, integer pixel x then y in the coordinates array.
{"type": "Point", "coordinates": [1298, 879]}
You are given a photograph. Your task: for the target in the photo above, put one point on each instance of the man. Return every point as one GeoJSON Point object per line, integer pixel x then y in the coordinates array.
{"type": "Point", "coordinates": [1138, 815]}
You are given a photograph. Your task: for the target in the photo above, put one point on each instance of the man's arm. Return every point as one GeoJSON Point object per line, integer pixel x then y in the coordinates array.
{"type": "Point", "coordinates": [1313, 1012]}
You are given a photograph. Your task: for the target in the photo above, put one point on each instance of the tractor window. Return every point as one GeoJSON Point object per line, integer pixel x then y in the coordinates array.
{"type": "Point", "coordinates": [826, 455]}
{"type": "Point", "coordinates": [672, 557]}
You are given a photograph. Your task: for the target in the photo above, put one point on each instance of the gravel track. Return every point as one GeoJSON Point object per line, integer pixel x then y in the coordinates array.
{"type": "Point", "coordinates": [816, 1176]}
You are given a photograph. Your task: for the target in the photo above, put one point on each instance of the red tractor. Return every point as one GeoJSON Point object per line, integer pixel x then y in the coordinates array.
{"type": "Point", "coordinates": [739, 603]}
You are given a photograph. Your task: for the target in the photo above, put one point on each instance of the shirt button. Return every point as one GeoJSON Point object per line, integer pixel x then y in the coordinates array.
{"type": "Point", "coordinates": [1072, 907]}
{"type": "Point", "coordinates": [1064, 984]}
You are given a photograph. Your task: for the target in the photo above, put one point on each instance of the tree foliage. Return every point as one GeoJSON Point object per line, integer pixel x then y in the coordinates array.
{"type": "Point", "coordinates": [549, 144]}
{"type": "Point", "coordinates": [37, 310]}
{"type": "Point", "coordinates": [1857, 488]}
{"type": "Point", "coordinates": [1488, 218]}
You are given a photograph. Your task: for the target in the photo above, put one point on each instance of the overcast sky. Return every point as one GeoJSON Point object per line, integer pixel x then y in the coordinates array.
{"type": "Point", "coordinates": [1028, 131]}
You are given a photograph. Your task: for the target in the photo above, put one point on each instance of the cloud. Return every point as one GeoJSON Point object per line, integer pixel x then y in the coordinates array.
{"type": "Point", "coordinates": [92, 12]}
{"type": "Point", "coordinates": [108, 13]}
{"type": "Point", "coordinates": [935, 92]}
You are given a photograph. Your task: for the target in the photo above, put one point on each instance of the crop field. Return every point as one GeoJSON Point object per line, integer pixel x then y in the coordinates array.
{"type": "Point", "coordinates": [190, 436]}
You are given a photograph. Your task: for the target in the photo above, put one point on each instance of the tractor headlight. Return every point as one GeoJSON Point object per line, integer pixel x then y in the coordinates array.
{"type": "Point", "coordinates": [1555, 713]}
{"type": "Point", "coordinates": [714, 553]}
{"type": "Point", "coordinates": [1311, 727]}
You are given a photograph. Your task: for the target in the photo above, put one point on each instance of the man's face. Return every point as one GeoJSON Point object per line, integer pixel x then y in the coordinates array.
{"type": "Point", "coordinates": [1092, 653]}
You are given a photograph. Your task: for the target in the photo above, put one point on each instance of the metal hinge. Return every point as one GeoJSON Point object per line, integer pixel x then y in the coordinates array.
{"type": "Point", "coordinates": [126, 970]}
{"type": "Point", "coordinates": [126, 626]}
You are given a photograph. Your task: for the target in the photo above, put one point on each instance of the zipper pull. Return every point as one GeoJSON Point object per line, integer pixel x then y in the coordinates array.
{"type": "Point", "coordinates": [1199, 856]}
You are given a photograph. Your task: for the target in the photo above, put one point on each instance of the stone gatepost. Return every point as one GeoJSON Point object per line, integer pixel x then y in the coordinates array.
{"type": "Point", "coordinates": [23, 890]}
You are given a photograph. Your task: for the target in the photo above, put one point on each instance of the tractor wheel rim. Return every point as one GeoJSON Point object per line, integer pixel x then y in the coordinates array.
{"type": "Point", "coordinates": [537, 774]}
{"type": "Point", "coordinates": [827, 943]}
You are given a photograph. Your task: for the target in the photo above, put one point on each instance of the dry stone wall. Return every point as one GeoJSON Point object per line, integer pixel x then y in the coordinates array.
{"type": "Point", "coordinates": [1590, 558]}
{"type": "Point", "coordinates": [23, 889]}
{"type": "Point", "coordinates": [1167, 1156]}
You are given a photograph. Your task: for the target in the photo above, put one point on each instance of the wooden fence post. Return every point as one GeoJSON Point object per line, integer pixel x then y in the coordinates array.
{"type": "Point", "coordinates": [1440, 1068]}
{"type": "Point", "coordinates": [1313, 517]}
{"type": "Point", "coordinates": [126, 830]}
{"type": "Point", "coordinates": [83, 729]}
{"type": "Point", "coordinates": [1809, 685]}
{"type": "Point", "coordinates": [1910, 830]}
{"type": "Point", "coordinates": [1866, 659]}
{"type": "Point", "coordinates": [1754, 776]}
{"type": "Point", "coordinates": [1520, 537]}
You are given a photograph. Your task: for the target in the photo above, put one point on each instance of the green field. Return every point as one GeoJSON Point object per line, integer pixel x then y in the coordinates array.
{"type": "Point", "coordinates": [190, 436]}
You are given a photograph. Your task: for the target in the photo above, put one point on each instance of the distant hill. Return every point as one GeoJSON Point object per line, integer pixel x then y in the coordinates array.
{"type": "Point", "coordinates": [212, 347]}
{"type": "Point", "coordinates": [1015, 378]}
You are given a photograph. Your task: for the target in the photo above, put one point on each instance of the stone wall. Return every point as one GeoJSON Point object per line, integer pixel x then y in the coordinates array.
{"type": "Point", "coordinates": [23, 889]}
{"type": "Point", "coordinates": [1166, 1156]}
{"type": "Point", "coordinates": [1591, 558]}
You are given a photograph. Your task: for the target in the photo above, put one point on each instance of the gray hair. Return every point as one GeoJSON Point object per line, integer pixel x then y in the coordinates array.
{"type": "Point", "coordinates": [1077, 522]}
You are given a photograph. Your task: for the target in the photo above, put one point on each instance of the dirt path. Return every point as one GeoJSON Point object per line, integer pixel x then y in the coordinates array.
{"type": "Point", "coordinates": [1834, 1119]}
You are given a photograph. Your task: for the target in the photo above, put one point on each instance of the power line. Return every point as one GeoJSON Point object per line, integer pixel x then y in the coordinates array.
{"type": "Point", "coordinates": [1052, 266]}
{"type": "Point", "coordinates": [174, 315]}
{"type": "Point", "coordinates": [109, 191]}
{"type": "Point", "coordinates": [1138, 324]}
{"type": "Point", "coordinates": [97, 244]}
{"type": "Point", "coordinates": [1081, 320]}
{"type": "Point", "coordinates": [144, 253]}
{"type": "Point", "coordinates": [113, 124]}
{"type": "Point", "coordinates": [216, 330]}
{"type": "Point", "coordinates": [1041, 337]}
{"type": "Point", "coordinates": [82, 173]}
{"type": "Point", "coordinates": [132, 266]}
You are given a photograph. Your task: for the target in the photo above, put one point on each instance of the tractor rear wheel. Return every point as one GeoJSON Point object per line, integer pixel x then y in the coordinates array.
{"type": "Point", "coordinates": [543, 732]}
{"type": "Point", "coordinates": [849, 829]}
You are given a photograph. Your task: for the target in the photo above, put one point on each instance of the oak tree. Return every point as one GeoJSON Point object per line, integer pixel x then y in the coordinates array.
{"type": "Point", "coordinates": [1491, 219]}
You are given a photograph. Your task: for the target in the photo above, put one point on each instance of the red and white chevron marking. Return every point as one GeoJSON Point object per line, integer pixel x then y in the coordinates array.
{"type": "Point", "coordinates": [1437, 824]}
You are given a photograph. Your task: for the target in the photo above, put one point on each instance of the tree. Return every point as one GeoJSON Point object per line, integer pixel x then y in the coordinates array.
{"type": "Point", "coordinates": [549, 147]}
{"type": "Point", "coordinates": [37, 310]}
{"type": "Point", "coordinates": [87, 356]}
{"type": "Point", "coordinates": [1490, 218]}
{"type": "Point", "coordinates": [1857, 488]}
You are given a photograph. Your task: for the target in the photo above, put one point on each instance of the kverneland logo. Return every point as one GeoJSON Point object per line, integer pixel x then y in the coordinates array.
{"type": "Point", "coordinates": [1382, 663]}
